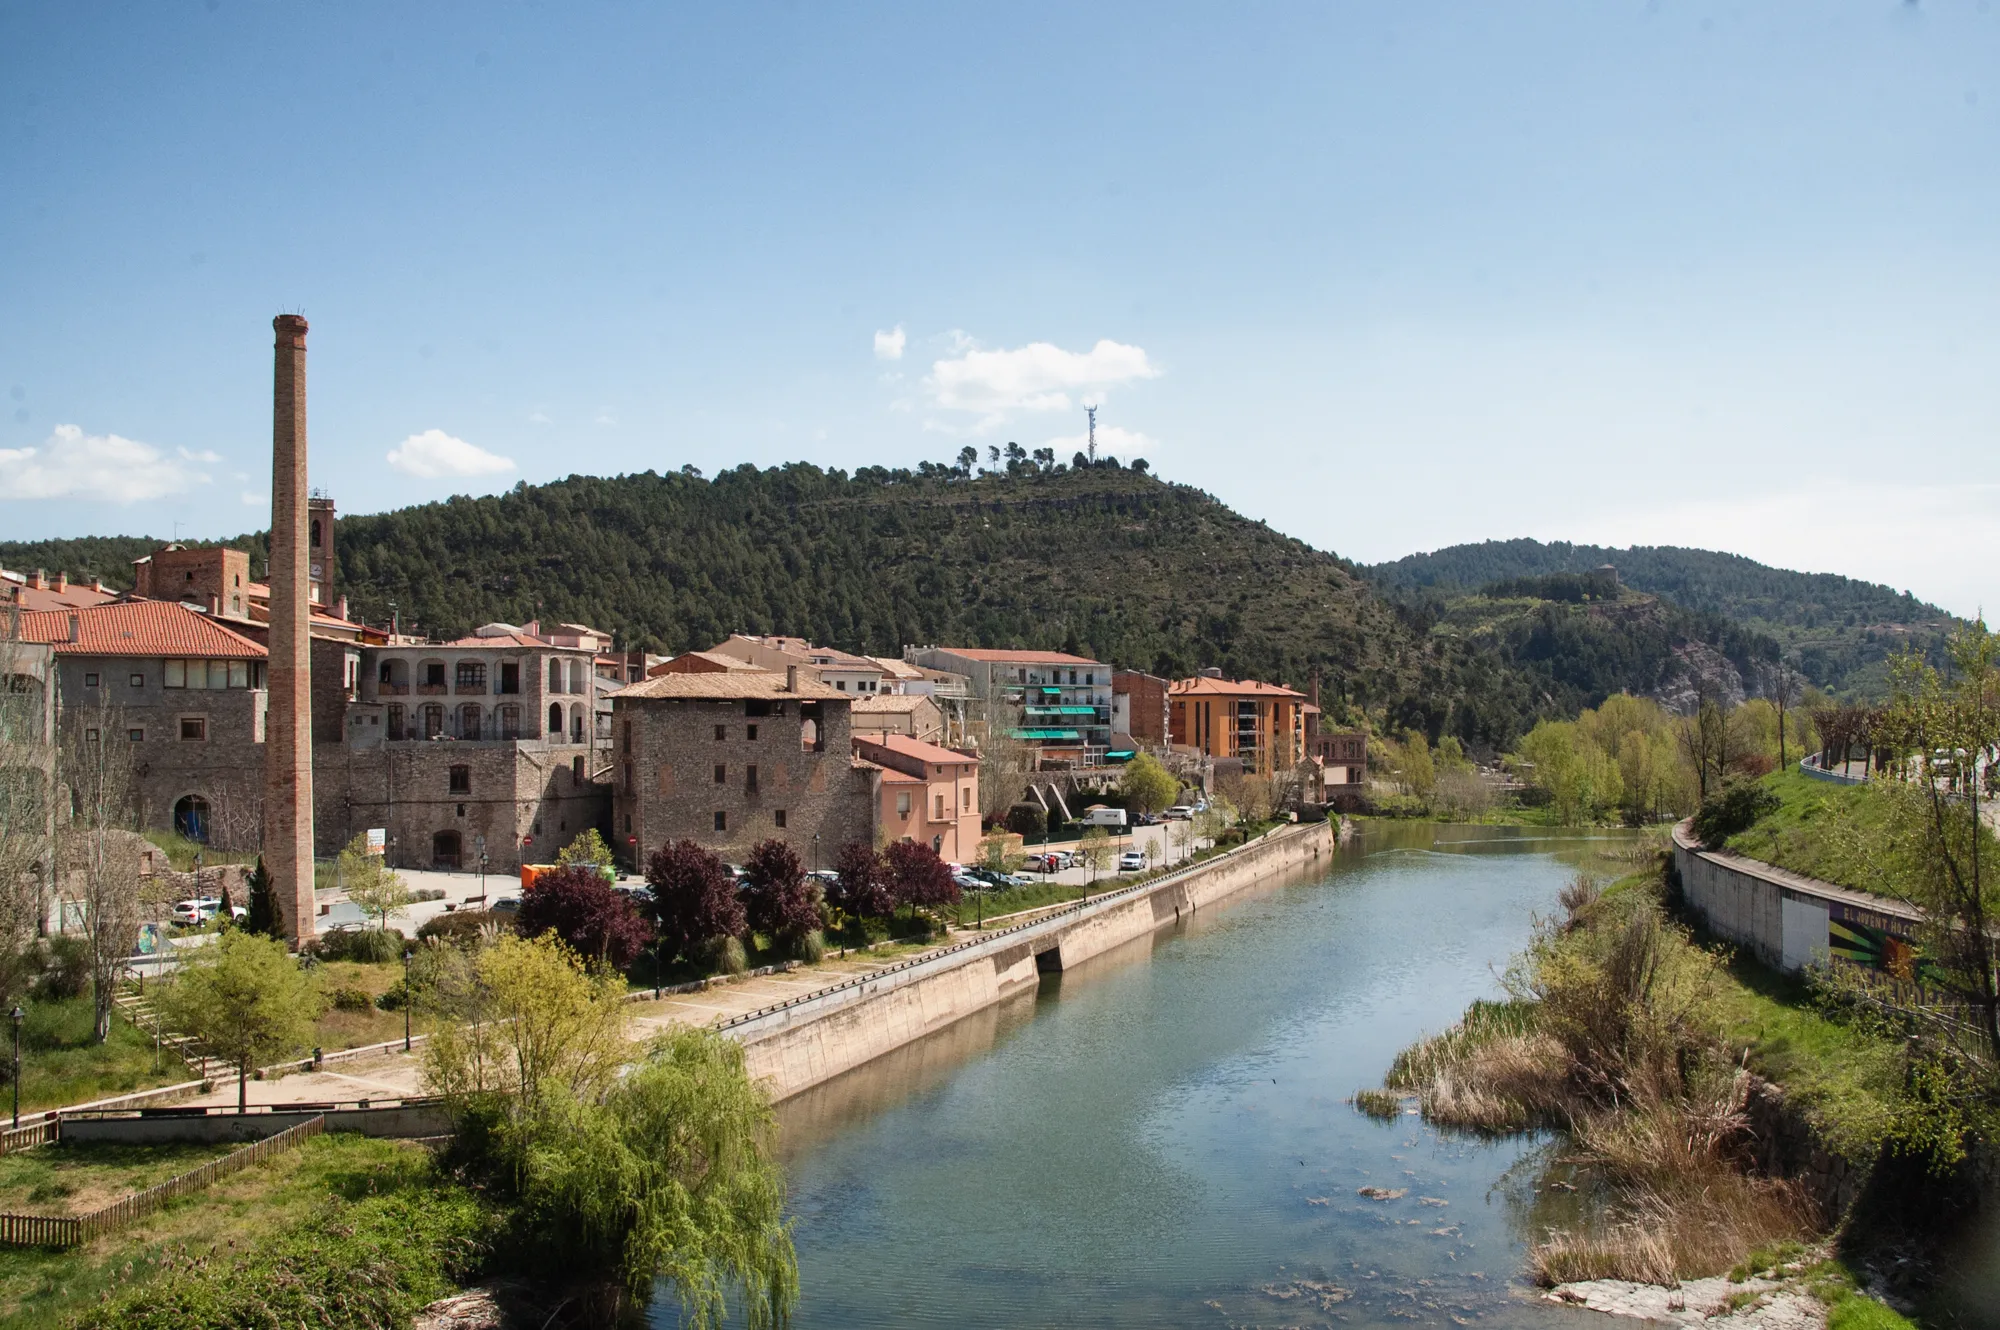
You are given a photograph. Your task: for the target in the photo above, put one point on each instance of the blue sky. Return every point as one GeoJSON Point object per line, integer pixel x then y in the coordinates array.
{"type": "Point", "coordinates": [1389, 277]}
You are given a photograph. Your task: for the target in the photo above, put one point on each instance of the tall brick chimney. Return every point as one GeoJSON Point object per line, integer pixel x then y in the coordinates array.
{"type": "Point", "coordinates": [288, 791]}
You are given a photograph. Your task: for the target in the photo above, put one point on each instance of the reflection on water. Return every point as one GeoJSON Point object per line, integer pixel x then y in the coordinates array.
{"type": "Point", "coordinates": [1161, 1137]}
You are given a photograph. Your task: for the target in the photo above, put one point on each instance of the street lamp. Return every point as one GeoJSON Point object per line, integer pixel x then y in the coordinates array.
{"type": "Point", "coordinates": [815, 853]}
{"type": "Point", "coordinates": [407, 1003]}
{"type": "Point", "coordinates": [19, 1016]}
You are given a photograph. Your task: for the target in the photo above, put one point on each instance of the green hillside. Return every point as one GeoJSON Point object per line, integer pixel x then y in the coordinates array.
{"type": "Point", "coordinates": [1837, 630]}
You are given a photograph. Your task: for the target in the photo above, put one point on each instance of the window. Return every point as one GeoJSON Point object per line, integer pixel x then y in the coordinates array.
{"type": "Point", "coordinates": [433, 674]}
{"type": "Point", "coordinates": [750, 733]}
{"type": "Point", "coordinates": [721, 774]}
{"type": "Point", "coordinates": [433, 720]}
{"type": "Point", "coordinates": [778, 819]}
{"type": "Point", "coordinates": [384, 675]}
{"type": "Point", "coordinates": [903, 805]}
{"type": "Point", "coordinates": [136, 736]}
{"type": "Point", "coordinates": [626, 786]}
{"type": "Point", "coordinates": [471, 674]}
{"type": "Point", "coordinates": [758, 706]}
{"type": "Point", "coordinates": [194, 727]}
{"type": "Point", "coordinates": [468, 721]}
{"type": "Point", "coordinates": [750, 780]}
{"type": "Point", "coordinates": [191, 818]}
{"type": "Point", "coordinates": [841, 684]}
{"type": "Point", "coordinates": [721, 733]}
{"type": "Point", "coordinates": [396, 720]}
{"type": "Point", "coordinates": [510, 677]}
{"type": "Point", "coordinates": [626, 744]}
{"type": "Point", "coordinates": [722, 821]}
{"type": "Point", "coordinates": [508, 718]}
{"type": "Point", "coordinates": [90, 736]}
{"type": "Point", "coordinates": [90, 681]}
{"type": "Point", "coordinates": [174, 674]}
{"type": "Point", "coordinates": [239, 673]}
{"type": "Point", "coordinates": [937, 808]}
{"type": "Point", "coordinates": [461, 780]}
{"type": "Point", "coordinates": [555, 721]}
{"type": "Point", "coordinates": [138, 681]}
{"type": "Point", "coordinates": [965, 799]}
{"type": "Point", "coordinates": [555, 675]}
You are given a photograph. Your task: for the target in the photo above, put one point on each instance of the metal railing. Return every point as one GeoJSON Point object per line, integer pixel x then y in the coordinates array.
{"type": "Point", "coordinates": [1077, 910]}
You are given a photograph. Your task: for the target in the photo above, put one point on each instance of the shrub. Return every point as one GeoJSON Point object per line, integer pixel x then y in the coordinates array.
{"type": "Point", "coordinates": [861, 887]}
{"type": "Point", "coordinates": [1027, 820]}
{"type": "Point", "coordinates": [427, 894]}
{"type": "Point", "coordinates": [724, 954]}
{"type": "Point", "coordinates": [67, 974]}
{"type": "Point", "coordinates": [1735, 809]}
{"type": "Point", "coordinates": [351, 999]}
{"type": "Point", "coordinates": [810, 947]}
{"type": "Point", "coordinates": [462, 928]}
{"type": "Point", "coordinates": [369, 946]}
{"type": "Point", "coordinates": [923, 926]}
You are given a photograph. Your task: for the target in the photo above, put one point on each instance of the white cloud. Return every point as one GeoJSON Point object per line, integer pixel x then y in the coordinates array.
{"type": "Point", "coordinates": [70, 464]}
{"type": "Point", "coordinates": [205, 455]}
{"type": "Point", "coordinates": [889, 345]}
{"type": "Point", "coordinates": [434, 454]}
{"type": "Point", "coordinates": [1124, 444]}
{"type": "Point", "coordinates": [1037, 377]}
{"type": "Point", "coordinates": [539, 418]}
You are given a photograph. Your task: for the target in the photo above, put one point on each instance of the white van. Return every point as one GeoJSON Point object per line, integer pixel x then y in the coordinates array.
{"type": "Point", "coordinates": [1097, 815]}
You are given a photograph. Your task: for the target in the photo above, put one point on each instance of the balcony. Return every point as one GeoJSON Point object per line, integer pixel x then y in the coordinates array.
{"type": "Point", "coordinates": [392, 690]}
{"type": "Point", "coordinates": [464, 689]}
{"type": "Point", "coordinates": [432, 690]}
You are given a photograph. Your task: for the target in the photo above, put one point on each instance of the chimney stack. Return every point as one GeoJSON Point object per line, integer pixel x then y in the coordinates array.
{"type": "Point", "coordinates": [288, 798]}
{"type": "Point", "coordinates": [791, 678]}
{"type": "Point", "coordinates": [75, 629]}
{"type": "Point", "coordinates": [62, 580]}
{"type": "Point", "coordinates": [36, 580]}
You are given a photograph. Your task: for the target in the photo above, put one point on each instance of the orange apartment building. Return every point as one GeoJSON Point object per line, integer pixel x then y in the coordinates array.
{"type": "Point", "coordinates": [929, 794]}
{"type": "Point", "coordinates": [1261, 725]}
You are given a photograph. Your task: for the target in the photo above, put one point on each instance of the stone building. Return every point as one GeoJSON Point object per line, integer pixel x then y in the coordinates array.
{"type": "Point", "coordinates": [483, 745]}
{"type": "Point", "coordinates": [176, 695]}
{"type": "Point", "coordinates": [1139, 707]}
{"type": "Point", "coordinates": [916, 715]}
{"type": "Point", "coordinates": [730, 758]}
{"type": "Point", "coordinates": [214, 577]}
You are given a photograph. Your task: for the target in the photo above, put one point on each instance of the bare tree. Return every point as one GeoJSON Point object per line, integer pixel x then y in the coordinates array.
{"type": "Point", "coordinates": [97, 766]}
{"type": "Point", "coordinates": [1003, 765]}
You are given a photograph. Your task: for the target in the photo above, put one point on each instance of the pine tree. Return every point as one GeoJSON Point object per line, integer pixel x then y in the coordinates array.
{"type": "Point", "coordinates": [263, 903]}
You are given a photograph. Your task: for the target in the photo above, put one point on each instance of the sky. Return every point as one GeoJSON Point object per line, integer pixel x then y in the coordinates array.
{"type": "Point", "coordinates": [1388, 277]}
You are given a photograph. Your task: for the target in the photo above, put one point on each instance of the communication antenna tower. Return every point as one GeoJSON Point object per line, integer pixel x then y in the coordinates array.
{"type": "Point", "coordinates": [1093, 429]}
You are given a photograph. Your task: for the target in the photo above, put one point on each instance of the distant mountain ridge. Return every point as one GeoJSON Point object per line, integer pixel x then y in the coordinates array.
{"type": "Point", "coordinates": [1838, 630]}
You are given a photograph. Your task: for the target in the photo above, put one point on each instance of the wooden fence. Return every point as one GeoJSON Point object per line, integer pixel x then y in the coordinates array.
{"type": "Point", "coordinates": [50, 1231]}
{"type": "Point", "coordinates": [27, 1134]}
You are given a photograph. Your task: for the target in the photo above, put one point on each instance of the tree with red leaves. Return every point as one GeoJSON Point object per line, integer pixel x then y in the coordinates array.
{"type": "Point", "coordinates": [863, 886]}
{"type": "Point", "coordinates": [581, 908]}
{"type": "Point", "coordinates": [917, 877]}
{"type": "Point", "coordinates": [694, 899]}
{"type": "Point", "coordinates": [780, 900]}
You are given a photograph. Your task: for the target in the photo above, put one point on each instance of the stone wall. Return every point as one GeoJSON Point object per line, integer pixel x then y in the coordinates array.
{"type": "Point", "coordinates": [666, 760]}
{"type": "Point", "coordinates": [808, 1043]}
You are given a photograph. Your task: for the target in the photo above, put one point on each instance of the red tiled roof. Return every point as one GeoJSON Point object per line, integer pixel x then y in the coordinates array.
{"type": "Point", "coordinates": [139, 628]}
{"type": "Point", "coordinates": [1019, 657]}
{"type": "Point", "coordinates": [915, 748]}
{"type": "Point", "coordinates": [73, 596]}
{"type": "Point", "coordinates": [506, 640]}
{"type": "Point", "coordinates": [1224, 688]}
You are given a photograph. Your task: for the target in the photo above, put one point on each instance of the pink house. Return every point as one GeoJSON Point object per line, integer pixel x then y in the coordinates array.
{"type": "Point", "coordinates": [929, 794]}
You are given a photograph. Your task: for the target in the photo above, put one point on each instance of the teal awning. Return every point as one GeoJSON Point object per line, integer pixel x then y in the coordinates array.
{"type": "Point", "coordinates": [1062, 711]}
{"type": "Point", "coordinates": [1048, 734]}
{"type": "Point", "coordinates": [1122, 754]}
{"type": "Point", "coordinates": [1046, 689]}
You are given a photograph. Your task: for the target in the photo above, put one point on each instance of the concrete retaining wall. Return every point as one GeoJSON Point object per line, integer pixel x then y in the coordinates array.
{"type": "Point", "coordinates": [805, 1043]}
{"type": "Point", "coordinates": [402, 1123]}
{"type": "Point", "coordinates": [1782, 917]}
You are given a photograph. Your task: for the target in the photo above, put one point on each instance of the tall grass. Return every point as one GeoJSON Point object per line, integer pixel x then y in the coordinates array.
{"type": "Point", "coordinates": [1612, 1031]}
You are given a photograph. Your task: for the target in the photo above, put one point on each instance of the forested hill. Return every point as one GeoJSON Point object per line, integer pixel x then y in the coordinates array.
{"type": "Point", "coordinates": [1836, 629]}
{"type": "Point", "coordinates": [1105, 561]}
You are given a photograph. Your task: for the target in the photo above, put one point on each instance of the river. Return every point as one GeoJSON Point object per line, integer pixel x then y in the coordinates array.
{"type": "Point", "coordinates": [1161, 1137]}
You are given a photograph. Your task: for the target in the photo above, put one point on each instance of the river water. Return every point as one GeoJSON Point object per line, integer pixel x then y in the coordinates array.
{"type": "Point", "coordinates": [1160, 1137]}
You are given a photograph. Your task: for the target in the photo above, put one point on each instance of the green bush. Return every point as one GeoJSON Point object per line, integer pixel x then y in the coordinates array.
{"type": "Point", "coordinates": [351, 999]}
{"type": "Point", "coordinates": [1027, 820]}
{"type": "Point", "coordinates": [725, 955]}
{"type": "Point", "coordinates": [810, 948]}
{"type": "Point", "coordinates": [1736, 808]}
{"type": "Point", "coordinates": [369, 946]}
{"type": "Point", "coordinates": [462, 928]}
{"type": "Point", "coordinates": [67, 968]}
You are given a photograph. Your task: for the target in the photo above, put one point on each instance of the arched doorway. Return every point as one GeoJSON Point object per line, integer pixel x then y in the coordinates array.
{"type": "Point", "coordinates": [445, 850]}
{"type": "Point", "coordinates": [191, 818]}
{"type": "Point", "coordinates": [555, 722]}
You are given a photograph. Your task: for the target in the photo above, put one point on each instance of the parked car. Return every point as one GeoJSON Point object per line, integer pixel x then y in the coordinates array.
{"type": "Point", "coordinates": [505, 905]}
{"type": "Point", "coordinates": [967, 882]}
{"type": "Point", "coordinates": [1180, 813]}
{"type": "Point", "coordinates": [1053, 861]}
{"type": "Point", "coordinates": [1017, 880]}
{"type": "Point", "coordinates": [196, 911]}
{"type": "Point", "coordinates": [1131, 862]}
